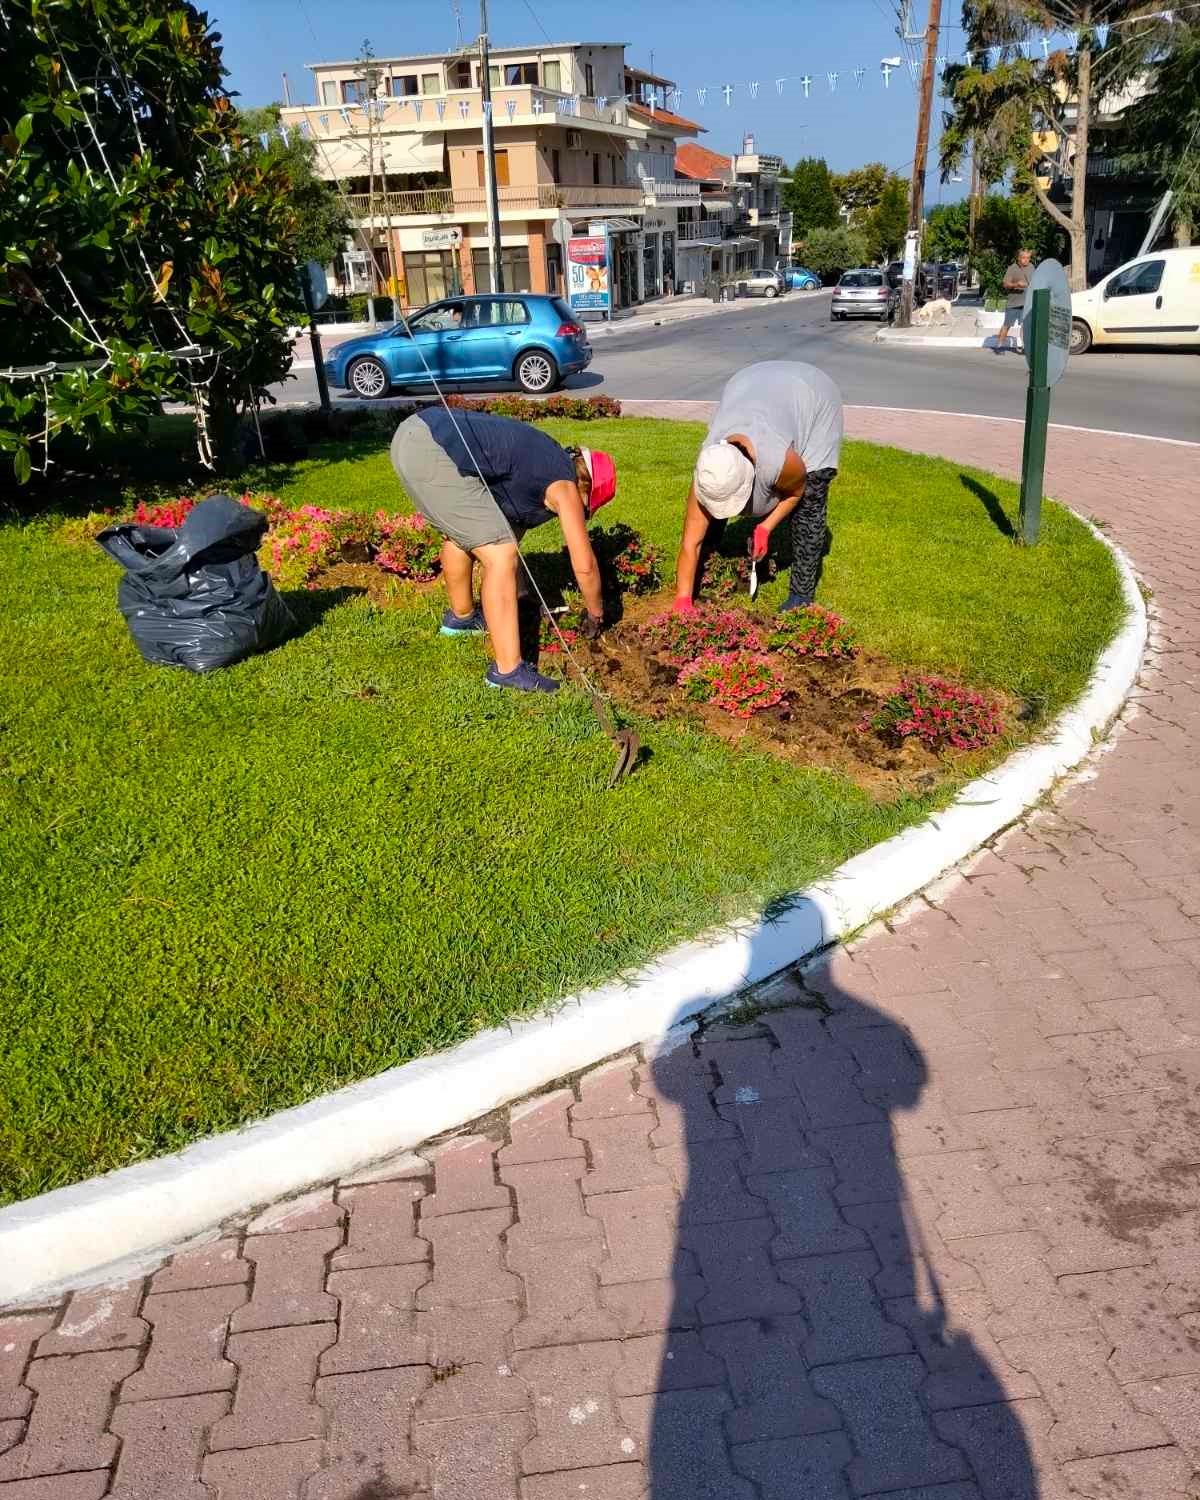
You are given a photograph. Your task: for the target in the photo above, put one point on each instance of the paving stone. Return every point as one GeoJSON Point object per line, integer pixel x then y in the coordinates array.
{"type": "Point", "coordinates": [462, 1391]}
{"type": "Point", "coordinates": [549, 1203]}
{"type": "Point", "coordinates": [315, 1210]}
{"type": "Point", "coordinates": [927, 1127]}
{"type": "Point", "coordinates": [476, 1459]}
{"type": "Point", "coordinates": [275, 1473]}
{"type": "Point", "coordinates": [805, 1035]}
{"type": "Point", "coordinates": [913, 1257]}
{"type": "Point", "coordinates": [382, 1229]}
{"type": "Point", "coordinates": [289, 1280]}
{"type": "Point", "coordinates": [273, 1399]}
{"type": "Point", "coordinates": [467, 1336]}
{"type": "Point", "coordinates": [1146, 1024]}
{"type": "Point", "coordinates": [467, 1269]}
{"type": "Point", "coordinates": [11, 1434]}
{"type": "Point", "coordinates": [18, 1336]}
{"type": "Point", "coordinates": [674, 1361]}
{"type": "Point", "coordinates": [748, 1071]}
{"type": "Point", "coordinates": [540, 1131]}
{"type": "Point", "coordinates": [845, 1319]}
{"type": "Point", "coordinates": [1133, 1308]}
{"type": "Point", "coordinates": [621, 1155]}
{"type": "Point", "coordinates": [772, 1136]}
{"type": "Point", "coordinates": [710, 1183]}
{"type": "Point", "coordinates": [407, 1164]}
{"type": "Point", "coordinates": [1093, 1416]}
{"type": "Point", "coordinates": [652, 1306]}
{"type": "Point", "coordinates": [1007, 1446]}
{"type": "Point", "coordinates": [609, 1091]}
{"type": "Point", "coordinates": [574, 1409]}
{"type": "Point", "coordinates": [641, 1235]}
{"type": "Point", "coordinates": [613, 1482]}
{"type": "Point", "coordinates": [1025, 1296]}
{"type": "Point", "coordinates": [1083, 1226]}
{"type": "Point", "coordinates": [464, 1179]}
{"type": "Point", "coordinates": [368, 1452]}
{"type": "Point", "coordinates": [1175, 1403]}
{"type": "Point", "coordinates": [1161, 1474]}
{"type": "Point", "coordinates": [891, 1074]}
{"type": "Point", "coordinates": [831, 1096]}
{"type": "Point", "coordinates": [162, 1443]}
{"type": "Point", "coordinates": [969, 1200]}
{"type": "Point", "coordinates": [864, 1159]}
{"type": "Point", "coordinates": [894, 1444]}
{"type": "Point", "coordinates": [1021, 1143]}
{"type": "Point", "coordinates": [103, 1318]}
{"type": "Point", "coordinates": [801, 1468]}
{"type": "Point", "coordinates": [680, 1087]}
{"type": "Point", "coordinates": [218, 1263]}
{"type": "Point", "coordinates": [741, 1278]}
{"type": "Point", "coordinates": [561, 1294]}
{"type": "Point", "coordinates": [966, 1366]}
{"type": "Point", "coordinates": [1111, 1064]}
{"type": "Point", "coordinates": [185, 1358]}
{"type": "Point", "coordinates": [377, 1325]}
{"type": "Point", "coordinates": [809, 1221]}
{"type": "Point", "coordinates": [680, 1434]}
{"type": "Point", "coordinates": [66, 1430]}
{"type": "Point", "coordinates": [971, 1078]}
{"type": "Point", "coordinates": [773, 1397]}
{"type": "Point", "coordinates": [58, 1487]}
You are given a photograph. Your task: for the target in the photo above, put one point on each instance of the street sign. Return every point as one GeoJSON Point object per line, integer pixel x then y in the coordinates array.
{"type": "Point", "coordinates": [313, 272]}
{"type": "Point", "coordinates": [441, 239]}
{"type": "Point", "coordinates": [1051, 276]}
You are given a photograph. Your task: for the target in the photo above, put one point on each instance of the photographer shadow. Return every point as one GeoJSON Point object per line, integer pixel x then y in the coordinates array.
{"type": "Point", "coordinates": [817, 1343]}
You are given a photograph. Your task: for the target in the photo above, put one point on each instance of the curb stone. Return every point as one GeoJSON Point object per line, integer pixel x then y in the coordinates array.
{"type": "Point", "coordinates": [107, 1227]}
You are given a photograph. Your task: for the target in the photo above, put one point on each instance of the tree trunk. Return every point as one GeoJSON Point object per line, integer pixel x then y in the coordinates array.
{"type": "Point", "coordinates": [1079, 177]}
{"type": "Point", "coordinates": [1183, 231]}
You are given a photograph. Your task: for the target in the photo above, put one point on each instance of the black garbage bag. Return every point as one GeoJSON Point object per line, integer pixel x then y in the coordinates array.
{"type": "Point", "coordinates": [197, 597]}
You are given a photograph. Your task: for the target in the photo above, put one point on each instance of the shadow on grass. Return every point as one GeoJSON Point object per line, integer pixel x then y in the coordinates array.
{"type": "Point", "coordinates": [310, 606]}
{"type": "Point", "coordinates": [991, 503]}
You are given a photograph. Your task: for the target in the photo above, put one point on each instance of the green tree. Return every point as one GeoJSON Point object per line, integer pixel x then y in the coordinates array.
{"type": "Point", "coordinates": [886, 228]}
{"type": "Point", "coordinates": [810, 196]}
{"type": "Point", "coordinates": [947, 237]}
{"type": "Point", "coordinates": [859, 191]}
{"type": "Point", "coordinates": [1163, 127]}
{"type": "Point", "coordinates": [829, 252]}
{"type": "Point", "coordinates": [322, 225]}
{"type": "Point", "coordinates": [138, 221]}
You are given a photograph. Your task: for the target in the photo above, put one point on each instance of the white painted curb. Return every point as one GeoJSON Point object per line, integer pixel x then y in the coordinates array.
{"type": "Point", "coordinates": [109, 1226]}
{"type": "Point", "coordinates": [933, 340]}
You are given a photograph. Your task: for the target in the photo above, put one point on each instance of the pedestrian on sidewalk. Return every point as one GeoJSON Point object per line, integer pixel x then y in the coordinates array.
{"type": "Point", "coordinates": [1016, 284]}
{"type": "Point", "coordinates": [483, 482]}
{"type": "Point", "coordinates": [771, 451]}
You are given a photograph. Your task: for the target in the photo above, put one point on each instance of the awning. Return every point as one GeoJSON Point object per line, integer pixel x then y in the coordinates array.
{"type": "Point", "coordinates": [700, 244]}
{"type": "Point", "coordinates": [619, 226]}
{"type": "Point", "coordinates": [715, 205]}
{"type": "Point", "coordinates": [398, 154]}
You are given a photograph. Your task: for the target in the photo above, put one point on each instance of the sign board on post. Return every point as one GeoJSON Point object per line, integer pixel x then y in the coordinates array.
{"type": "Point", "coordinates": [587, 274]}
{"type": "Point", "coordinates": [1046, 329]}
{"type": "Point", "coordinates": [441, 239]}
{"type": "Point", "coordinates": [318, 284]}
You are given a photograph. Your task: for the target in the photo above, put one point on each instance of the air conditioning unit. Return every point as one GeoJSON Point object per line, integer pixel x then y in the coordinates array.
{"type": "Point", "coordinates": [574, 140]}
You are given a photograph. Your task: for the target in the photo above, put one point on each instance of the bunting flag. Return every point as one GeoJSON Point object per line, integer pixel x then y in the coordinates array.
{"type": "Point", "coordinates": [440, 106]}
{"type": "Point", "coordinates": [418, 108]}
{"type": "Point", "coordinates": [264, 141]}
{"type": "Point", "coordinates": [859, 75]}
{"type": "Point", "coordinates": [727, 90]}
{"type": "Point", "coordinates": [1101, 34]}
{"type": "Point", "coordinates": [806, 84]}
{"type": "Point", "coordinates": [886, 69]}
{"type": "Point", "coordinates": [225, 152]}
{"type": "Point", "coordinates": [575, 104]}
{"type": "Point", "coordinates": [464, 108]}
{"type": "Point", "coordinates": [601, 100]}
{"type": "Point", "coordinates": [487, 108]}
{"type": "Point", "coordinates": [539, 104]}
{"type": "Point", "coordinates": [1045, 46]}
{"type": "Point", "coordinates": [940, 63]}
{"type": "Point", "coordinates": [510, 106]}
{"type": "Point", "coordinates": [345, 114]}
{"type": "Point", "coordinates": [323, 121]}
{"type": "Point", "coordinates": [779, 83]}
{"type": "Point", "coordinates": [283, 132]}
{"type": "Point", "coordinates": [833, 78]}
{"type": "Point", "coordinates": [753, 87]}
{"type": "Point", "coordinates": [702, 96]}
{"type": "Point", "coordinates": [305, 129]}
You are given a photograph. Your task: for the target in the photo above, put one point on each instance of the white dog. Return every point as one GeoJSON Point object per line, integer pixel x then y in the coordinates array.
{"type": "Point", "coordinates": [936, 309]}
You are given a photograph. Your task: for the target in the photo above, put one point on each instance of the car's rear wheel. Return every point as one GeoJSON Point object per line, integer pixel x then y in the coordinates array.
{"type": "Point", "coordinates": [1081, 336]}
{"type": "Point", "coordinates": [367, 378]}
{"type": "Point", "coordinates": [536, 372]}
{"type": "Point", "coordinates": [771, 291]}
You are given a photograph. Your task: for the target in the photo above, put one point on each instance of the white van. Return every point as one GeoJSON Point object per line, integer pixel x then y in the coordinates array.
{"type": "Point", "coordinates": [1152, 300]}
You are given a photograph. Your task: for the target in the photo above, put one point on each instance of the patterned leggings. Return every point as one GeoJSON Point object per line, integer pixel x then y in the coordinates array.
{"type": "Point", "coordinates": [810, 535]}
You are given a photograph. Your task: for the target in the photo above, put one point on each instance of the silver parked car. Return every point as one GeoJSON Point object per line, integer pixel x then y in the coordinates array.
{"type": "Point", "coordinates": [760, 283]}
{"type": "Point", "coordinates": [863, 293]}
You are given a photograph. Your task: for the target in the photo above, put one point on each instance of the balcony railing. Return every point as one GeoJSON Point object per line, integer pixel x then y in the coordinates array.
{"type": "Point", "coordinates": [668, 192]}
{"type": "Point", "coordinates": [472, 202]}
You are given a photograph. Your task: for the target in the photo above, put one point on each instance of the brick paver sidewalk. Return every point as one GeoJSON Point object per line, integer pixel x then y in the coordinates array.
{"type": "Point", "coordinates": [928, 1228]}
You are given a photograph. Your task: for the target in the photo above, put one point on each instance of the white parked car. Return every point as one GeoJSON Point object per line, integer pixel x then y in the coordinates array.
{"type": "Point", "coordinates": [1154, 299]}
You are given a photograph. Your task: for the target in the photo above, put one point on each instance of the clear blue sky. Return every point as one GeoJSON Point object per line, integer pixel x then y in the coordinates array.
{"type": "Point", "coordinates": [702, 45]}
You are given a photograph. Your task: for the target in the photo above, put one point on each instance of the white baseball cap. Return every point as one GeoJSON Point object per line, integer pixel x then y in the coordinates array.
{"type": "Point", "coordinates": [724, 480]}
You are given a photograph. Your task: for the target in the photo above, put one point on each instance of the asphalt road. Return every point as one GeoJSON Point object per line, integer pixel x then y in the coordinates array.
{"type": "Point", "coordinates": [1154, 393]}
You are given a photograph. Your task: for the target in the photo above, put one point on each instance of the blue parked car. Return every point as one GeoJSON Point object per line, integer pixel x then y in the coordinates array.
{"type": "Point", "coordinates": [523, 336]}
{"type": "Point", "coordinates": [801, 280]}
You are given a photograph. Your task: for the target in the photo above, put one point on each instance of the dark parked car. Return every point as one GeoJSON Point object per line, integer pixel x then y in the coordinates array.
{"type": "Point", "coordinates": [523, 336]}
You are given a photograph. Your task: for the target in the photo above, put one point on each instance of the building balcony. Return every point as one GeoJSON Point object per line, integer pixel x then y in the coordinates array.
{"type": "Point", "coordinates": [764, 218]}
{"type": "Point", "coordinates": [450, 203]}
{"type": "Point", "coordinates": [657, 193]}
{"type": "Point", "coordinates": [758, 165]}
{"type": "Point", "coordinates": [460, 109]}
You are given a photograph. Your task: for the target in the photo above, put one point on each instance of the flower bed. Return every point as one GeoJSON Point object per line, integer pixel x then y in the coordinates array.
{"type": "Point", "coordinates": [941, 715]}
{"type": "Point", "coordinates": [740, 682]}
{"type": "Point", "coordinates": [525, 409]}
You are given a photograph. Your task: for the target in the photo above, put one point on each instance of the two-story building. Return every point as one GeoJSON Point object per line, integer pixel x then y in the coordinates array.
{"type": "Point", "coordinates": [404, 138]}
{"type": "Point", "coordinates": [737, 224]}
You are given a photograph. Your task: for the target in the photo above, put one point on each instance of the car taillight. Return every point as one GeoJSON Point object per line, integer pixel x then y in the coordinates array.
{"type": "Point", "coordinates": [568, 331]}
{"type": "Point", "coordinates": [881, 291]}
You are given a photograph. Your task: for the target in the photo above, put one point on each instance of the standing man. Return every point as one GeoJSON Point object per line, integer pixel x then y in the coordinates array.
{"type": "Point", "coordinates": [483, 481]}
{"type": "Point", "coordinates": [771, 451]}
{"type": "Point", "coordinates": [1016, 283]}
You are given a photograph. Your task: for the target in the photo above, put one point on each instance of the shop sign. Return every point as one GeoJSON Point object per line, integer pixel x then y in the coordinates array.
{"type": "Point", "coordinates": [441, 239]}
{"type": "Point", "coordinates": [587, 273]}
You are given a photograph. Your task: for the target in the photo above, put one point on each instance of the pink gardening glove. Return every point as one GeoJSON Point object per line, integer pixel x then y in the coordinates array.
{"type": "Point", "coordinates": [759, 543]}
{"type": "Point", "coordinates": [683, 606]}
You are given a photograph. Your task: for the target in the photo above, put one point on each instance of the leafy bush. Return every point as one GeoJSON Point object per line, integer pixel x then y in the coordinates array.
{"type": "Point", "coordinates": [742, 683]}
{"type": "Point", "coordinates": [407, 546]}
{"type": "Point", "coordinates": [525, 409]}
{"type": "Point", "coordinates": [680, 639]}
{"type": "Point", "coordinates": [628, 564]}
{"type": "Point", "coordinates": [812, 631]}
{"type": "Point", "coordinates": [990, 268]}
{"type": "Point", "coordinates": [829, 252]}
{"type": "Point", "coordinates": [941, 714]}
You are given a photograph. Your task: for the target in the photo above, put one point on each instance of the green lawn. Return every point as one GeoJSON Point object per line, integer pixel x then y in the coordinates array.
{"type": "Point", "coordinates": [225, 895]}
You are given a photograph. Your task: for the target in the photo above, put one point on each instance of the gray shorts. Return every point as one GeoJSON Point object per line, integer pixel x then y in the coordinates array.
{"type": "Point", "coordinates": [460, 506]}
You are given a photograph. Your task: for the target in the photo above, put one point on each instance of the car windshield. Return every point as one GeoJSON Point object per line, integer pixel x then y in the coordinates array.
{"type": "Point", "coordinates": [862, 278]}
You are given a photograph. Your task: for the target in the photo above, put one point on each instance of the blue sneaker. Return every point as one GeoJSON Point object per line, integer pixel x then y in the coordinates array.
{"type": "Point", "coordinates": [525, 678]}
{"type": "Point", "coordinates": [472, 624]}
{"type": "Point", "coordinates": [793, 601]}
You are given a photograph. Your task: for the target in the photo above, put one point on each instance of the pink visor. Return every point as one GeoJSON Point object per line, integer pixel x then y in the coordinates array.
{"type": "Point", "coordinates": [604, 478]}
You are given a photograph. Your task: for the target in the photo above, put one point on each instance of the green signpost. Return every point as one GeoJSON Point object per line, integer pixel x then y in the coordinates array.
{"type": "Point", "coordinates": [1046, 328]}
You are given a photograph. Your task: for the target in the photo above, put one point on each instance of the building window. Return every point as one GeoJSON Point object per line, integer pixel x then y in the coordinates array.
{"type": "Point", "coordinates": [516, 74]}
{"type": "Point", "coordinates": [431, 83]}
{"type": "Point", "coordinates": [354, 90]}
{"type": "Point", "coordinates": [460, 74]}
{"type": "Point", "coordinates": [556, 164]}
{"type": "Point", "coordinates": [501, 169]}
{"type": "Point", "coordinates": [589, 81]}
{"type": "Point", "coordinates": [430, 274]}
{"type": "Point", "coordinates": [404, 86]}
{"type": "Point", "coordinates": [330, 93]}
{"type": "Point", "coordinates": [514, 262]}
{"type": "Point", "coordinates": [494, 75]}
{"type": "Point", "coordinates": [552, 75]}
{"type": "Point", "coordinates": [596, 168]}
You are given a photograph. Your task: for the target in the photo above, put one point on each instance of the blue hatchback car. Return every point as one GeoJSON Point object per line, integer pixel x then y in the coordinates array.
{"type": "Point", "coordinates": [526, 337]}
{"type": "Point", "coordinates": [799, 279]}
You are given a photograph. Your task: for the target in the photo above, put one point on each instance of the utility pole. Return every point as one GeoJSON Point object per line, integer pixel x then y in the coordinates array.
{"type": "Point", "coordinates": [489, 155]}
{"type": "Point", "coordinates": [916, 204]}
